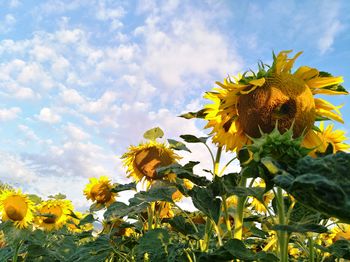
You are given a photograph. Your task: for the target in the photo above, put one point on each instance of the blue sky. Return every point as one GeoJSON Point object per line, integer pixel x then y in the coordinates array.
{"type": "Point", "coordinates": [80, 81]}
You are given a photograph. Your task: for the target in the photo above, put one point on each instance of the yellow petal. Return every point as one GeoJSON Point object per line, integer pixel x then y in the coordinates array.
{"type": "Point", "coordinates": [311, 140]}
{"type": "Point", "coordinates": [319, 82]}
{"type": "Point", "coordinates": [329, 114]}
{"type": "Point", "coordinates": [258, 82]}
{"type": "Point", "coordinates": [288, 66]}
{"type": "Point", "coordinates": [305, 72]}
{"type": "Point", "coordinates": [328, 92]}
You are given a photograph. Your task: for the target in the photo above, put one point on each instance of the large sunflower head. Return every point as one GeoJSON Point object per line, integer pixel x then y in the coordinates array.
{"type": "Point", "coordinates": [16, 207]}
{"type": "Point", "coordinates": [143, 160]}
{"type": "Point", "coordinates": [99, 191]}
{"type": "Point", "coordinates": [246, 106]}
{"type": "Point", "coordinates": [53, 213]}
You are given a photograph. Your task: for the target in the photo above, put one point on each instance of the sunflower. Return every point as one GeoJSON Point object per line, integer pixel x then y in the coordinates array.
{"type": "Point", "coordinates": [333, 137]}
{"type": "Point", "coordinates": [245, 106]}
{"type": "Point", "coordinates": [74, 220]}
{"type": "Point", "coordinates": [99, 190]}
{"type": "Point", "coordinates": [267, 198]}
{"type": "Point", "coordinates": [16, 207]}
{"type": "Point", "coordinates": [53, 213]}
{"type": "Point", "coordinates": [143, 160]}
{"type": "Point", "coordinates": [115, 226]}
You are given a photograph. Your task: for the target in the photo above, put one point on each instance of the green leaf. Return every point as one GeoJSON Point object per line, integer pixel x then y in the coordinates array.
{"type": "Point", "coordinates": [58, 196]}
{"type": "Point", "coordinates": [119, 209]}
{"type": "Point", "coordinates": [206, 202]}
{"type": "Point", "coordinates": [180, 224]}
{"type": "Point", "coordinates": [176, 145]}
{"type": "Point", "coordinates": [235, 249]}
{"type": "Point", "coordinates": [224, 185]}
{"type": "Point", "coordinates": [301, 228]}
{"type": "Point", "coordinates": [340, 249]}
{"type": "Point", "coordinates": [321, 184]}
{"type": "Point", "coordinates": [119, 187]}
{"type": "Point", "coordinates": [153, 133]}
{"type": "Point", "coordinates": [87, 220]}
{"type": "Point", "coordinates": [154, 243]}
{"type": "Point", "coordinates": [182, 172]}
{"type": "Point", "coordinates": [194, 139]}
{"type": "Point", "coordinates": [155, 193]}
{"type": "Point", "coordinates": [199, 114]}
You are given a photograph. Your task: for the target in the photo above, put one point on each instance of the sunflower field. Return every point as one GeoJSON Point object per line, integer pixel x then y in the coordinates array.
{"type": "Point", "coordinates": [290, 201]}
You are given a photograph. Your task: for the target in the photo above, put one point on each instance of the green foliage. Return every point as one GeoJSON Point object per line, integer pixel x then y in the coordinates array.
{"type": "Point", "coordinates": [154, 133]}
{"type": "Point", "coordinates": [320, 184]}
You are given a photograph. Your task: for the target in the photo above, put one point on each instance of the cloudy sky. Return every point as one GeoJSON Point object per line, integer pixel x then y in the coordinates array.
{"type": "Point", "coordinates": [81, 80]}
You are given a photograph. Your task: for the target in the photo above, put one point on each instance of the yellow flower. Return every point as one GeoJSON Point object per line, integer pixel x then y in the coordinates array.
{"type": "Point", "coordinates": [113, 226]}
{"type": "Point", "coordinates": [73, 223]}
{"type": "Point", "coordinates": [267, 198]}
{"type": "Point", "coordinates": [247, 104]}
{"type": "Point", "coordinates": [341, 232]}
{"type": "Point", "coordinates": [143, 160]}
{"type": "Point", "coordinates": [333, 137]}
{"type": "Point", "coordinates": [16, 207]}
{"type": "Point", "coordinates": [53, 213]}
{"type": "Point", "coordinates": [177, 195]}
{"type": "Point", "coordinates": [99, 191]}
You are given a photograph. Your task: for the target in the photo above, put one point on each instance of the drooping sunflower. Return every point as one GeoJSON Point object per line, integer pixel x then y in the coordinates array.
{"type": "Point", "coordinates": [246, 105]}
{"type": "Point", "coordinates": [53, 213]}
{"type": "Point", "coordinates": [99, 191]}
{"type": "Point", "coordinates": [143, 160]}
{"type": "Point", "coordinates": [16, 207]}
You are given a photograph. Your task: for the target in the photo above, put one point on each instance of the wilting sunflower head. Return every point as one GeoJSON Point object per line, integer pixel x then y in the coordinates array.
{"type": "Point", "coordinates": [99, 191]}
{"type": "Point", "coordinates": [246, 106]}
{"type": "Point", "coordinates": [16, 207]}
{"type": "Point", "coordinates": [53, 213]}
{"type": "Point", "coordinates": [143, 160]}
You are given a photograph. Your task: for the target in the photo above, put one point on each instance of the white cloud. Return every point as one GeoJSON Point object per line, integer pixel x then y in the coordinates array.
{"type": "Point", "coordinates": [101, 104]}
{"type": "Point", "coordinates": [47, 115]}
{"type": "Point", "coordinates": [7, 23]}
{"type": "Point", "coordinates": [9, 113]}
{"type": "Point", "coordinates": [75, 133]}
{"type": "Point", "coordinates": [326, 41]}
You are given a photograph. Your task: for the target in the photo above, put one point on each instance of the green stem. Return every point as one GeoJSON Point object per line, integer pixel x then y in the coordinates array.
{"type": "Point", "coordinates": [282, 235]}
{"type": "Point", "coordinates": [211, 153]}
{"type": "Point", "coordinates": [188, 217]}
{"type": "Point", "coordinates": [226, 216]}
{"type": "Point", "coordinates": [217, 233]}
{"type": "Point", "coordinates": [227, 164]}
{"type": "Point", "coordinates": [238, 215]}
{"type": "Point", "coordinates": [217, 161]}
{"type": "Point", "coordinates": [208, 228]}
{"type": "Point", "coordinates": [150, 213]}
{"type": "Point", "coordinates": [15, 254]}
{"type": "Point", "coordinates": [311, 250]}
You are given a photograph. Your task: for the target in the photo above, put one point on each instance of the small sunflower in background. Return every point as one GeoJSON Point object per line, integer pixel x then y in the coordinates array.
{"type": "Point", "coordinates": [335, 138]}
{"type": "Point", "coordinates": [244, 106]}
{"type": "Point", "coordinates": [143, 160]}
{"type": "Point", "coordinates": [73, 221]}
{"type": "Point", "coordinates": [266, 198]}
{"type": "Point", "coordinates": [16, 207]}
{"type": "Point", "coordinates": [53, 214]}
{"type": "Point", "coordinates": [99, 191]}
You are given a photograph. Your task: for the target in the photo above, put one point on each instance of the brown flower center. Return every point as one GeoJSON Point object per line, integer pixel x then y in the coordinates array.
{"type": "Point", "coordinates": [101, 193]}
{"type": "Point", "coordinates": [149, 159]}
{"type": "Point", "coordinates": [54, 212]}
{"type": "Point", "coordinates": [16, 208]}
{"type": "Point", "coordinates": [283, 99]}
